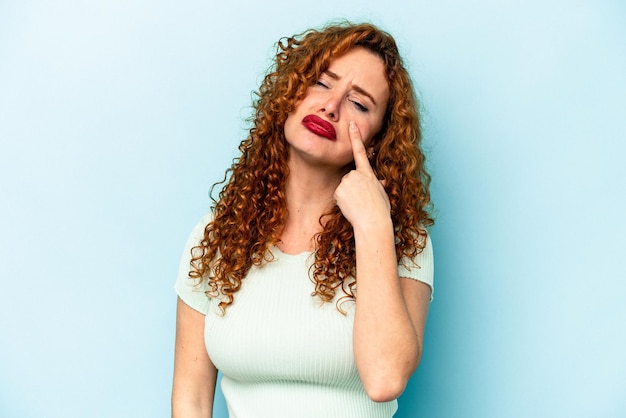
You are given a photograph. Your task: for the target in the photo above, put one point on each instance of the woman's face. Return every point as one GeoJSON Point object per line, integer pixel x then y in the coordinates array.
{"type": "Point", "coordinates": [353, 88]}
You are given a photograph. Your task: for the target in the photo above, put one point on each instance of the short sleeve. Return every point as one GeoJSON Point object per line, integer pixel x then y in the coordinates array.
{"type": "Point", "coordinates": [189, 290]}
{"type": "Point", "coordinates": [421, 267]}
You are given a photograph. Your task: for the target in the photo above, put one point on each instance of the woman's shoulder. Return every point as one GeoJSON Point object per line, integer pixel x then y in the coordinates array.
{"type": "Point", "coordinates": [422, 266]}
{"type": "Point", "coordinates": [193, 291]}
{"type": "Point", "coordinates": [197, 231]}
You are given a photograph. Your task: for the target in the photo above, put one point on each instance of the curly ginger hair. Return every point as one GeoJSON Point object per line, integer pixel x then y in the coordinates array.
{"type": "Point", "coordinates": [251, 210]}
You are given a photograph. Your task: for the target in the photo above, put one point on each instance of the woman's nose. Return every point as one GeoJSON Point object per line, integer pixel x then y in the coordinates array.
{"type": "Point", "coordinates": [331, 107]}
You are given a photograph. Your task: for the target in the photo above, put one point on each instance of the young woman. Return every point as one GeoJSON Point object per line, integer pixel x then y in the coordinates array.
{"type": "Point", "coordinates": [308, 284]}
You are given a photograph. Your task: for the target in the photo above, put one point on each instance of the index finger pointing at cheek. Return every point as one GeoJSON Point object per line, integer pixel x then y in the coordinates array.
{"type": "Point", "coordinates": [358, 149]}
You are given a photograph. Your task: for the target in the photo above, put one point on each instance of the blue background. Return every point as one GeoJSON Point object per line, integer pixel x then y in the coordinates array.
{"type": "Point", "coordinates": [117, 116]}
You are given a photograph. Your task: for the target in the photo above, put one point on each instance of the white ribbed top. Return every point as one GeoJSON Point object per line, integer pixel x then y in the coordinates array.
{"type": "Point", "coordinates": [282, 352]}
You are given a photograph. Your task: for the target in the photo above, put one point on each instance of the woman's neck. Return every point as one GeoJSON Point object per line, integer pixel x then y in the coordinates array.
{"type": "Point", "coordinates": [309, 194]}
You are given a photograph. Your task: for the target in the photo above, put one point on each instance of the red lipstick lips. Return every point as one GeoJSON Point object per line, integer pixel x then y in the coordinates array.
{"type": "Point", "coordinates": [319, 126]}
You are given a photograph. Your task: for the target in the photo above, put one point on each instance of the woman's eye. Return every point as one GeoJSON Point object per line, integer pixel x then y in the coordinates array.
{"type": "Point", "coordinates": [360, 106]}
{"type": "Point", "coordinates": [321, 84]}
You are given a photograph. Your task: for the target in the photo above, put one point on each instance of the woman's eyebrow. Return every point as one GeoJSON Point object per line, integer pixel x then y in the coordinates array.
{"type": "Point", "coordinates": [355, 87]}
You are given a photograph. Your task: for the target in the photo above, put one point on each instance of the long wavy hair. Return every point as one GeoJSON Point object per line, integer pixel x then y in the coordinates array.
{"type": "Point", "coordinates": [249, 215]}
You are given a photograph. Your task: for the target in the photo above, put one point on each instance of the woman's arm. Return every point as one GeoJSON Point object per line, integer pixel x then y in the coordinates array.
{"type": "Point", "coordinates": [390, 311]}
{"type": "Point", "coordinates": [389, 320]}
{"type": "Point", "coordinates": [194, 373]}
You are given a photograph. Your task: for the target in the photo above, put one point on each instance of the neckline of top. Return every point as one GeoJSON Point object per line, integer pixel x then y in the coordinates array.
{"type": "Point", "coordinates": [287, 255]}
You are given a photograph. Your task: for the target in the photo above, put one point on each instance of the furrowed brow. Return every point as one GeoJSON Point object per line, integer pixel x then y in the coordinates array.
{"type": "Point", "coordinates": [364, 93]}
{"type": "Point", "coordinates": [332, 75]}
{"type": "Point", "coordinates": [356, 88]}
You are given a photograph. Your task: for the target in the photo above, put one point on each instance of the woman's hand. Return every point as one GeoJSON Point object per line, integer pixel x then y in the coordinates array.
{"type": "Point", "coordinates": [360, 195]}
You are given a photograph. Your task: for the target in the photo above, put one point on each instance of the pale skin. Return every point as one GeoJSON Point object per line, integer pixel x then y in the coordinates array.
{"type": "Point", "coordinates": [390, 311]}
{"type": "Point", "coordinates": [195, 375]}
